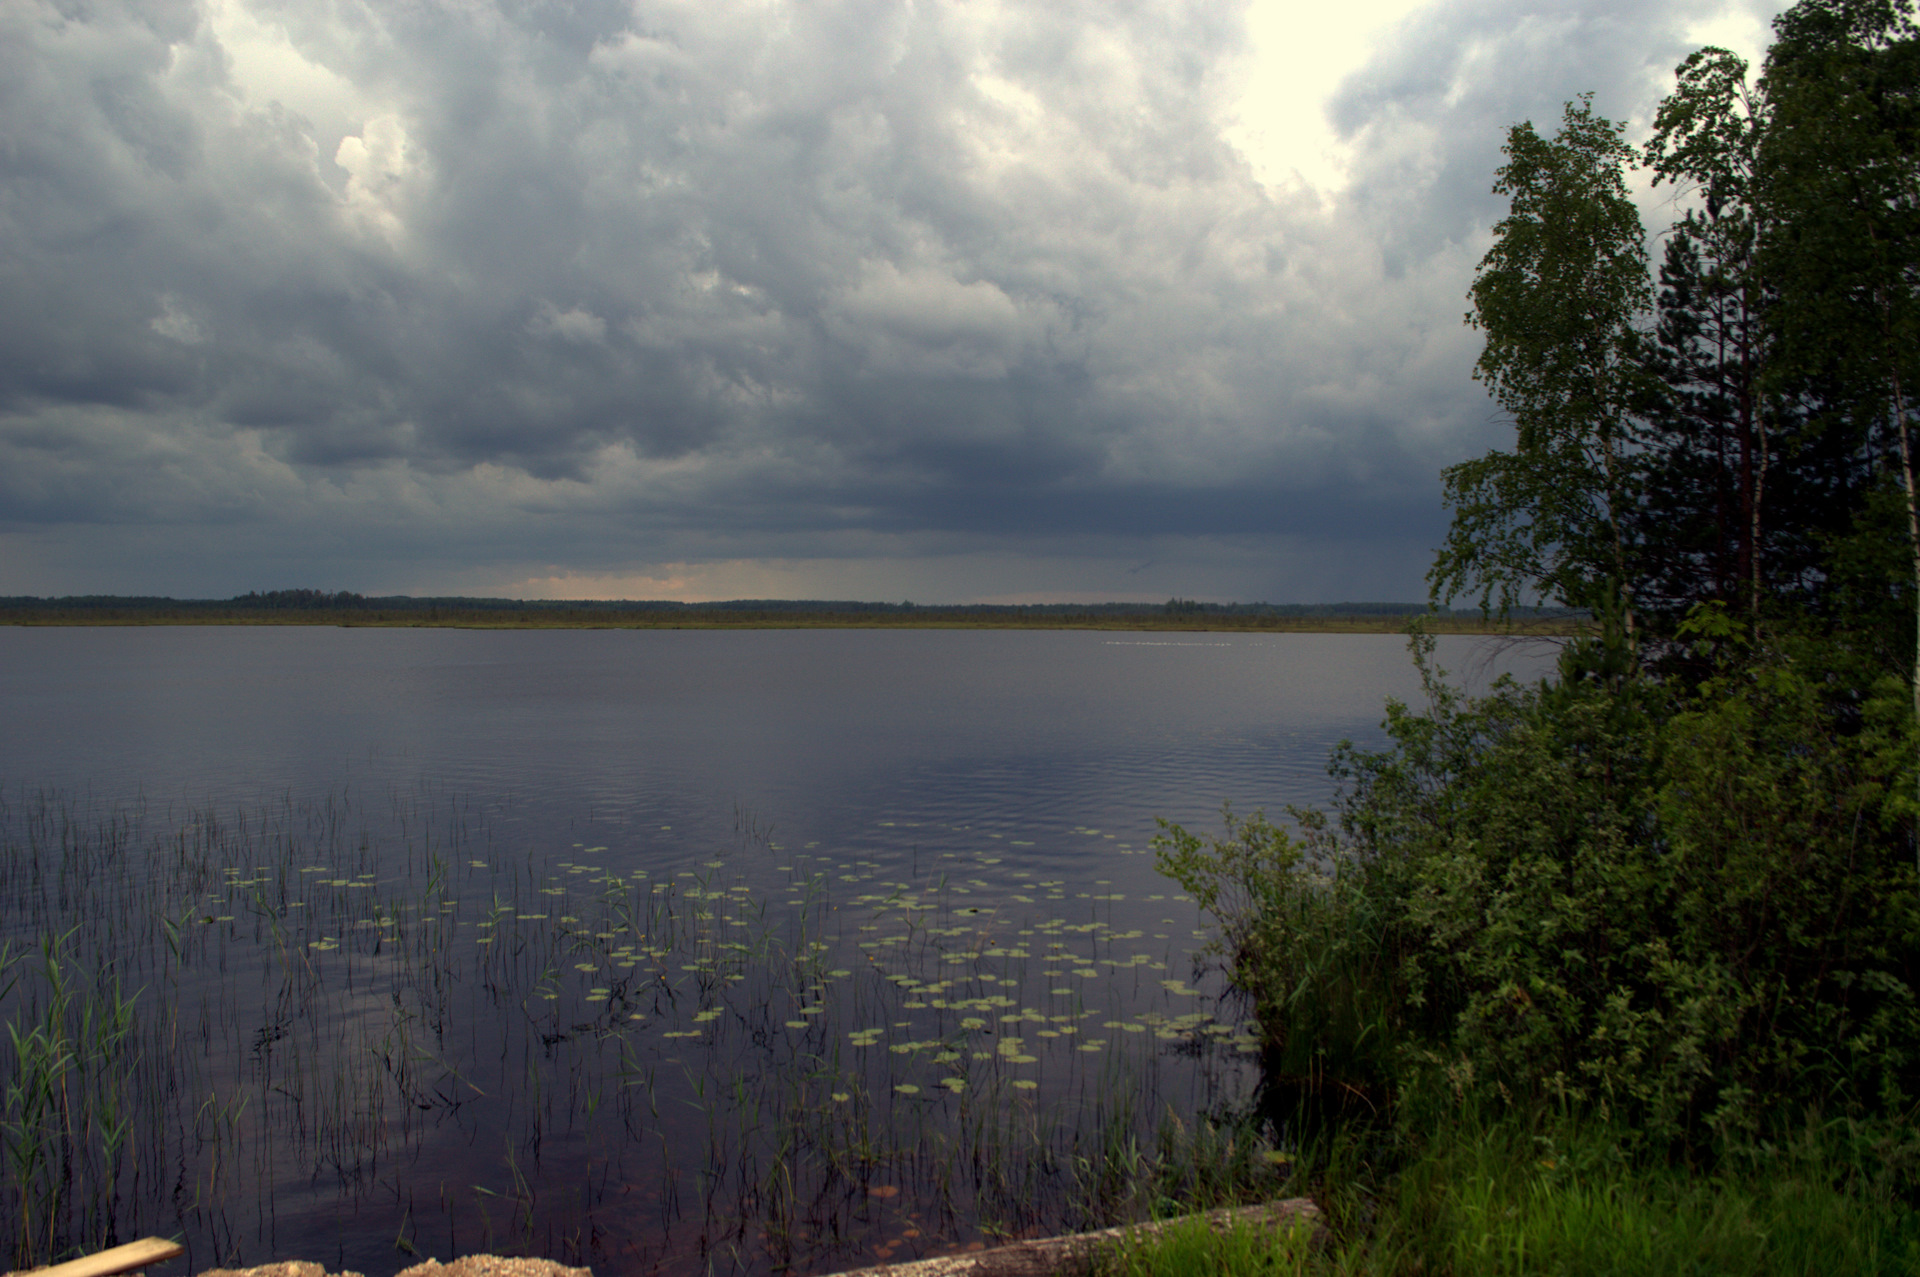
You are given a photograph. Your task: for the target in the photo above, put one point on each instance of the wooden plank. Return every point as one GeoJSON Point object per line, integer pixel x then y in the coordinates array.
{"type": "Point", "coordinates": [121, 1259]}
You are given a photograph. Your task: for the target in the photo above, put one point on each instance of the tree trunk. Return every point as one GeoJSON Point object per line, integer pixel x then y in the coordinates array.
{"type": "Point", "coordinates": [1753, 427]}
{"type": "Point", "coordinates": [1913, 540]}
{"type": "Point", "coordinates": [1913, 523]}
{"type": "Point", "coordinates": [1619, 541]}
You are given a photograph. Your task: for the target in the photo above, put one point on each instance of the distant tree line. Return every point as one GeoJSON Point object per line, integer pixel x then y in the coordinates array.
{"type": "Point", "coordinates": [306, 600]}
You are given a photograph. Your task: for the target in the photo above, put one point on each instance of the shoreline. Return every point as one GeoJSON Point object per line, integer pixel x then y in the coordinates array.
{"type": "Point", "coordinates": [920, 619]}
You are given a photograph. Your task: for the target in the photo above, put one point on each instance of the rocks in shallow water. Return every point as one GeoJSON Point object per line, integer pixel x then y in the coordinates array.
{"type": "Point", "coordinates": [494, 1266]}
{"type": "Point", "coordinates": [291, 1268]}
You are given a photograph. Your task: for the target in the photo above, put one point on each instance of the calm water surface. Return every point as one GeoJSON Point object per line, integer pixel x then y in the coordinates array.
{"type": "Point", "coordinates": [661, 951]}
{"type": "Point", "coordinates": [826, 730]}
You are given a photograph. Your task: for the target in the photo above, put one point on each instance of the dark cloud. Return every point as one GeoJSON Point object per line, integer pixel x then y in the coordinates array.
{"type": "Point", "coordinates": [432, 293]}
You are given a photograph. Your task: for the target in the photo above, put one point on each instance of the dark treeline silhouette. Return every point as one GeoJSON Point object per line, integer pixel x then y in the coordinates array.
{"type": "Point", "coordinates": [313, 606]}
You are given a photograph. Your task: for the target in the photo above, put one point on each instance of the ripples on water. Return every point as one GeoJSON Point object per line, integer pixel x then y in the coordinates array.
{"type": "Point", "coordinates": [662, 952]}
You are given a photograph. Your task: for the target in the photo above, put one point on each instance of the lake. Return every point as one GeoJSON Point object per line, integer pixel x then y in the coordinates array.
{"type": "Point", "coordinates": [663, 951]}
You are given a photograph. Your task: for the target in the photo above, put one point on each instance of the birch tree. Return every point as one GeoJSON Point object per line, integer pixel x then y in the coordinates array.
{"type": "Point", "coordinates": [1558, 297]}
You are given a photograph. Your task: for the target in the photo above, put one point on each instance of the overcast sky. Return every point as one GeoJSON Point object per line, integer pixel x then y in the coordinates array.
{"type": "Point", "coordinates": [874, 299]}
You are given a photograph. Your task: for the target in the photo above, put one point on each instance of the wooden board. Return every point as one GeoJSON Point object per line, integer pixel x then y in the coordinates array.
{"type": "Point", "coordinates": [121, 1259]}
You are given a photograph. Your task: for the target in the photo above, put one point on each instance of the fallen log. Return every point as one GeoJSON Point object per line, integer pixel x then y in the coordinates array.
{"type": "Point", "coordinates": [1045, 1257]}
{"type": "Point", "coordinates": [1050, 1256]}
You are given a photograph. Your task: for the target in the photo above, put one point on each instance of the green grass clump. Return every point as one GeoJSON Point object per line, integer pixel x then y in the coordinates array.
{"type": "Point", "coordinates": [1194, 1247]}
{"type": "Point", "coordinates": [1493, 1200]}
{"type": "Point", "coordinates": [1519, 1198]}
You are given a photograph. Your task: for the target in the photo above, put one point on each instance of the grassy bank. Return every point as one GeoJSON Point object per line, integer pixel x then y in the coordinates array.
{"type": "Point", "coordinates": [1517, 1198]}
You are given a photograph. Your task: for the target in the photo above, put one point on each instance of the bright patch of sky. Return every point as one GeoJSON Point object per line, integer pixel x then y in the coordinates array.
{"type": "Point", "coordinates": [1296, 58]}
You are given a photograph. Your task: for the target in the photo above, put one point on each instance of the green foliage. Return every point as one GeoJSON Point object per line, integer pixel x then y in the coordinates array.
{"type": "Point", "coordinates": [65, 1106]}
{"type": "Point", "coordinates": [1723, 439]}
{"type": "Point", "coordinates": [1631, 956]}
{"type": "Point", "coordinates": [1557, 296]}
{"type": "Point", "coordinates": [1303, 934]}
{"type": "Point", "coordinates": [1194, 1248]}
{"type": "Point", "coordinates": [1685, 899]}
{"type": "Point", "coordinates": [1705, 132]}
{"type": "Point", "coordinates": [1691, 913]}
{"type": "Point", "coordinates": [1486, 1197]}
{"type": "Point", "coordinates": [1490, 1198]}
{"type": "Point", "coordinates": [1722, 502]}
{"type": "Point", "coordinates": [1842, 163]}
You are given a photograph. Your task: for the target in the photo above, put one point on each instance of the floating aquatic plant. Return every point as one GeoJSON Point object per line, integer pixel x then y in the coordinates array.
{"type": "Point", "coordinates": [287, 1012]}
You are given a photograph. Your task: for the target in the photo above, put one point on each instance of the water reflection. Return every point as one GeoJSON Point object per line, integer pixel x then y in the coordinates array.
{"type": "Point", "coordinates": [653, 951]}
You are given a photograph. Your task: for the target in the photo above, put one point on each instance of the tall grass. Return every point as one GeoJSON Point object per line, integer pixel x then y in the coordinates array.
{"type": "Point", "coordinates": [65, 1109]}
{"type": "Point", "coordinates": [1193, 1247]}
{"type": "Point", "coordinates": [1518, 1198]}
{"type": "Point", "coordinates": [1513, 1198]}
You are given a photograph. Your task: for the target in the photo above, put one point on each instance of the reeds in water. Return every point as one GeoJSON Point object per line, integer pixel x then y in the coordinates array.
{"type": "Point", "coordinates": [259, 1029]}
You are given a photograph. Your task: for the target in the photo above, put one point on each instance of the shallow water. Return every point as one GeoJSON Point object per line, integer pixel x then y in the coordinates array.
{"type": "Point", "coordinates": [662, 951]}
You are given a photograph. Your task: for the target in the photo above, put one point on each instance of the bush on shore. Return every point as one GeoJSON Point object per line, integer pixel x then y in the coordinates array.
{"type": "Point", "coordinates": [1696, 915]}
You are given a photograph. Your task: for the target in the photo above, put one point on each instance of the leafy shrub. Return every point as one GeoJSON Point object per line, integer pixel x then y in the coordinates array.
{"type": "Point", "coordinates": [1690, 913]}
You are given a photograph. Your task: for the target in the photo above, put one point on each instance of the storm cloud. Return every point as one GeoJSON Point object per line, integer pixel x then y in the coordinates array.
{"type": "Point", "coordinates": [829, 298]}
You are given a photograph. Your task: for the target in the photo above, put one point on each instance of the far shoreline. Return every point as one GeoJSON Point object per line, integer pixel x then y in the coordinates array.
{"type": "Point", "coordinates": [920, 618]}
